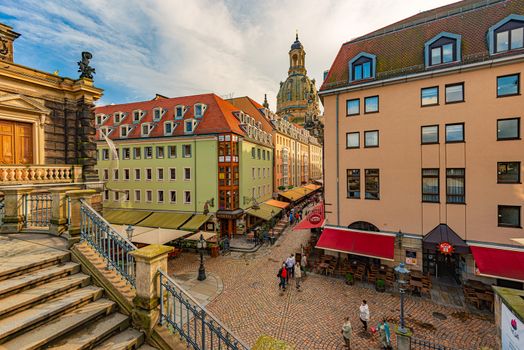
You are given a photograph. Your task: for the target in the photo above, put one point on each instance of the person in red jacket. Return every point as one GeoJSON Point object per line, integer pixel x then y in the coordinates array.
{"type": "Point", "coordinates": [282, 274]}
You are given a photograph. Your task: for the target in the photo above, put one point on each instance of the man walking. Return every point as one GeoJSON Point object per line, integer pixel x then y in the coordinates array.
{"type": "Point", "coordinates": [303, 264]}
{"type": "Point", "coordinates": [364, 314]}
{"type": "Point", "coordinates": [346, 333]}
{"type": "Point", "coordinates": [282, 275]}
{"type": "Point", "coordinates": [298, 275]}
{"type": "Point", "coordinates": [290, 265]}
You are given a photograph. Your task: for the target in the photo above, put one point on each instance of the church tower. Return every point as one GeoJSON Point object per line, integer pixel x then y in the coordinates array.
{"type": "Point", "coordinates": [297, 99]}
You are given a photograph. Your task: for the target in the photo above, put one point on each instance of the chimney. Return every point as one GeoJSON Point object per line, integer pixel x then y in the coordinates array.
{"type": "Point", "coordinates": [7, 36]}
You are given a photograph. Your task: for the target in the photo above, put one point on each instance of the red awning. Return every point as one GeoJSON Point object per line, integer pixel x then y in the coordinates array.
{"type": "Point", "coordinates": [314, 219]}
{"type": "Point", "coordinates": [499, 263]}
{"type": "Point", "coordinates": [372, 244]}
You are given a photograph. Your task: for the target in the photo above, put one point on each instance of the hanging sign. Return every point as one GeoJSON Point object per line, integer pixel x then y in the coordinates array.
{"type": "Point", "coordinates": [445, 248]}
{"type": "Point", "coordinates": [315, 218]}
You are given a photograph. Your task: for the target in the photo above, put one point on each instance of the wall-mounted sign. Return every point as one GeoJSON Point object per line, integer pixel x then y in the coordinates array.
{"type": "Point", "coordinates": [511, 330]}
{"type": "Point", "coordinates": [445, 248]}
{"type": "Point", "coordinates": [315, 218]}
{"type": "Point", "coordinates": [411, 257]}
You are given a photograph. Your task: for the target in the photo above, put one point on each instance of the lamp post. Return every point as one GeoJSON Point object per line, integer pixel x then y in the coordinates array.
{"type": "Point", "coordinates": [129, 232]}
{"type": "Point", "coordinates": [402, 276]}
{"type": "Point", "coordinates": [201, 245]}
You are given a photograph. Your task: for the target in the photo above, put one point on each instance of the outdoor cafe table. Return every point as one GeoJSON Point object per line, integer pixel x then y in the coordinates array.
{"type": "Point", "coordinates": [417, 285]}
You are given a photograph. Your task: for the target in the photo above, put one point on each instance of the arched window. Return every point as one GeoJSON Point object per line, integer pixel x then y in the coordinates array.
{"type": "Point", "coordinates": [443, 48]}
{"type": "Point", "coordinates": [506, 35]}
{"type": "Point", "coordinates": [362, 67]}
{"type": "Point", "coordinates": [364, 226]}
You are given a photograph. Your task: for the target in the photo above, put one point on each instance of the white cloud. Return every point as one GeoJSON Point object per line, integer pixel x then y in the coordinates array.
{"type": "Point", "coordinates": [180, 47]}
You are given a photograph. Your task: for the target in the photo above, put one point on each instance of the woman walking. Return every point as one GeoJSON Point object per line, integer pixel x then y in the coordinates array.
{"type": "Point", "coordinates": [364, 314]}
{"type": "Point", "coordinates": [346, 333]}
{"type": "Point", "coordinates": [282, 274]}
{"type": "Point", "coordinates": [298, 275]}
{"type": "Point", "coordinates": [385, 335]}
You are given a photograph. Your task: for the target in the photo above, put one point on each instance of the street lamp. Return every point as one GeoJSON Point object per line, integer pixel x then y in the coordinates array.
{"type": "Point", "coordinates": [402, 277]}
{"type": "Point", "coordinates": [129, 232]}
{"type": "Point", "coordinates": [201, 245]}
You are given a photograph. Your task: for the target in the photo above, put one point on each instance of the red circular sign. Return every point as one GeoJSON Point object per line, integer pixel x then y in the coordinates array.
{"type": "Point", "coordinates": [446, 248]}
{"type": "Point", "coordinates": [315, 218]}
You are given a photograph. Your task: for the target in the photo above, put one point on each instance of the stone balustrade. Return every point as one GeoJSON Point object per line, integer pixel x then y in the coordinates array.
{"type": "Point", "coordinates": [36, 174]}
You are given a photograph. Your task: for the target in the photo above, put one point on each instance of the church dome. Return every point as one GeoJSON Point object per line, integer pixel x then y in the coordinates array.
{"type": "Point", "coordinates": [297, 44]}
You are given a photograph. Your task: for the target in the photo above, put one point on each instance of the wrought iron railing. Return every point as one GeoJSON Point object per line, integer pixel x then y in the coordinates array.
{"type": "Point", "coordinates": [114, 248]}
{"type": "Point", "coordinates": [198, 327]}
{"type": "Point", "coordinates": [420, 344]}
{"type": "Point", "coordinates": [37, 210]}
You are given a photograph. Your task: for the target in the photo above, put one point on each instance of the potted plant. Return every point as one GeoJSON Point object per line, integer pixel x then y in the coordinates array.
{"type": "Point", "coordinates": [380, 285]}
{"type": "Point", "coordinates": [349, 279]}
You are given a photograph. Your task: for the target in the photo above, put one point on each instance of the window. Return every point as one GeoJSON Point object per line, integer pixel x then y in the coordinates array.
{"type": "Point", "coordinates": [160, 196]}
{"type": "Point", "coordinates": [258, 153]}
{"type": "Point", "coordinates": [454, 133]}
{"type": "Point", "coordinates": [187, 197]}
{"type": "Point", "coordinates": [148, 152]}
{"type": "Point", "coordinates": [259, 173]}
{"type": "Point", "coordinates": [429, 96]}
{"type": "Point", "coordinates": [168, 128]}
{"type": "Point", "coordinates": [149, 174]}
{"type": "Point", "coordinates": [106, 195]}
{"type": "Point", "coordinates": [136, 153]}
{"type": "Point", "coordinates": [106, 174]}
{"type": "Point", "coordinates": [508, 129]}
{"type": "Point", "coordinates": [126, 153]}
{"type": "Point", "coordinates": [199, 110]}
{"type": "Point", "coordinates": [509, 216]}
{"type": "Point", "coordinates": [442, 54]}
{"type": "Point", "coordinates": [509, 35]}
{"type": "Point", "coordinates": [508, 85]}
{"type": "Point", "coordinates": [456, 186]}
{"type": "Point", "coordinates": [115, 174]}
{"type": "Point", "coordinates": [105, 154]}
{"type": "Point", "coordinates": [124, 130]}
{"type": "Point", "coordinates": [372, 184]}
{"type": "Point", "coordinates": [138, 174]}
{"type": "Point", "coordinates": [362, 67]}
{"type": "Point", "coordinates": [371, 104]}
{"type": "Point", "coordinates": [253, 173]}
{"type": "Point", "coordinates": [371, 138]}
{"type": "Point", "coordinates": [126, 195]}
{"type": "Point", "coordinates": [253, 152]}
{"type": "Point", "coordinates": [455, 93]}
{"type": "Point", "coordinates": [126, 174]}
{"type": "Point", "coordinates": [429, 134]}
{"type": "Point", "coordinates": [186, 151]}
{"type": "Point", "coordinates": [138, 195]}
{"type": "Point", "coordinates": [430, 185]}
{"type": "Point", "coordinates": [136, 116]}
{"type": "Point", "coordinates": [172, 196]}
{"type": "Point", "coordinates": [116, 196]}
{"type": "Point", "coordinates": [508, 172]}
{"type": "Point", "coordinates": [172, 173]}
{"type": "Point", "coordinates": [353, 183]}
{"type": "Point", "coordinates": [353, 107]}
{"type": "Point", "coordinates": [264, 154]}
{"type": "Point", "coordinates": [179, 112]}
{"type": "Point", "coordinates": [187, 173]}
{"type": "Point", "coordinates": [188, 126]}
{"type": "Point", "coordinates": [159, 152]}
{"type": "Point", "coordinates": [352, 140]}
{"type": "Point", "coordinates": [171, 151]}
{"type": "Point", "coordinates": [146, 128]}
{"type": "Point", "coordinates": [160, 174]}
{"type": "Point", "coordinates": [149, 196]}
{"type": "Point", "coordinates": [157, 114]}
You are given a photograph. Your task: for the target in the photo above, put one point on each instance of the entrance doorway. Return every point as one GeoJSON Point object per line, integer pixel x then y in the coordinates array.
{"type": "Point", "coordinates": [445, 268]}
{"type": "Point", "coordinates": [16, 142]}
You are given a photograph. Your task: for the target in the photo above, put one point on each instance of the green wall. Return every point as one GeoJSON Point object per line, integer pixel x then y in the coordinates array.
{"type": "Point", "coordinates": [247, 183]}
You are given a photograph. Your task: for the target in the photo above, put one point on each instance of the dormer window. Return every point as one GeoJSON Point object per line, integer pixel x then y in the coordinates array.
{"type": "Point", "coordinates": [189, 126]}
{"type": "Point", "coordinates": [362, 67]}
{"type": "Point", "coordinates": [124, 130]}
{"type": "Point", "coordinates": [146, 129]}
{"type": "Point", "coordinates": [443, 48]}
{"type": "Point", "coordinates": [105, 131]}
{"type": "Point", "coordinates": [157, 114]}
{"type": "Point", "coordinates": [506, 35]}
{"type": "Point", "coordinates": [179, 112]}
{"type": "Point", "coordinates": [100, 119]}
{"type": "Point", "coordinates": [137, 115]}
{"type": "Point", "coordinates": [118, 116]}
{"type": "Point", "coordinates": [199, 110]}
{"type": "Point", "coordinates": [168, 128]}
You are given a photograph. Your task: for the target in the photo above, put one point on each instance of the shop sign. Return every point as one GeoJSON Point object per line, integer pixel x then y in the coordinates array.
{"type": "Point", "coordinates": [411, 257]}
{"type": "Point", "coordinates": [315, 218]}
{"type": "Point", "coordinates": [445, 248]}
{"type": "Point", "coordinates": [511, 330]}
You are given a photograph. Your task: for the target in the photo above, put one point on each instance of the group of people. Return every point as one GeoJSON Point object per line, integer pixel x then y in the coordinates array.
{"type": "Point", "coordinates": [291, 269]}
{"type": "Point", "coordinates": [382, 328]}
{"type": "Point", "coordinates": [295, 216]}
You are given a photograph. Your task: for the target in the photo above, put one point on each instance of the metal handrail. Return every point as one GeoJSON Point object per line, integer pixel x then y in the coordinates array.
{"type": "Point", "coordinates": [197, 326]}
{"type": "Point", "coordinates": [37, 210]}
{"type": "Point", "coordinates": [114, 248]}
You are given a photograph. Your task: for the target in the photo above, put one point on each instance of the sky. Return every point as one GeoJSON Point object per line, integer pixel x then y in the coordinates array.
{"type": "Point", "coordinates": [184, 47]}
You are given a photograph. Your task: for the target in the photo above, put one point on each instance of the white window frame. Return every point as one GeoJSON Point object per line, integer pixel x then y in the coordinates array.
{"type": "Point", "coordinates": [163, 174]}
{"type": "Point", "coordinates": [193, 126]}
{"type": "Point", "coordinates": [118, 117]}
{"type": "Point", "coordinates": [105, 130]}
{"type": "Point", "coordinates": [187, 179]}
{"type": "Point", "coordinates": [106, 195]}
{"type": "Point", "coordinates": [128, 173]}
{"type": "Point", "coordinates": [115, 171]}
{"type": "Point", "coordinates": [139, 172]}
{"type": "Point", "coordinates": [190, 197]}
{"type": "Point", "coordinates": [176, 196]}
{"type": "Point", "coordinates": [149, 193]}
{"type": "Point", "coordinates": [184, 155]}
{"type": "Point", "coordinates": [145, 152]}
{"type": "Point", "coordinates": [134, 152]}
{"type": "Point", "coordinates": [105, 154]}
{"type": "Point", "coordinates": [182, 108]}
{"type": "Point", "coordinates": [158, 196]}
{"type": "Point", "coordinates": [169, 153]}
{"type": "Point", "coordinates": [127, 129]}
{"type": "Point", "coordinates": [106, 174]}
{"type": "Point", "coordinates": [203, 108]}
{"type": "Point", "coordinates": [170, 178]}
{"type": "Point", "coordinates": [172, 128]}
{"type": "Point", "coordinates": [116, 196]}
{"type": "Point", "coordinates": [100, 119]}
{"type": "Point", "coordinates": [145, 174]}
{"type": "Point", "coordinates": [149, 128]}
{"type": "Point", "coordinates": [127, 195]}
{"type": "Point", "coordinates": [162, 111]}
{"type": "Point", "coordinates": [139, 195]}
{"type": "Point", "coordinates": [140, 114]}
{"type": "Point", "coordinates": [123, 157]}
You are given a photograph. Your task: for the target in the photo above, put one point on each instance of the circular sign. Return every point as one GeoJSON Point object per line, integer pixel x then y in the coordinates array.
{"type": "Point", "coordinates": [445, 248]}
{"type": "Point", "coordinates": [315, 218]}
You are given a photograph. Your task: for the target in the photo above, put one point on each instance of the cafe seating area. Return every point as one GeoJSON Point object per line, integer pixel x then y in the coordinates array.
{"type": "Point", "coordinates": [478, 294]}
{"type": "Point", "coordinates": [419, 283]}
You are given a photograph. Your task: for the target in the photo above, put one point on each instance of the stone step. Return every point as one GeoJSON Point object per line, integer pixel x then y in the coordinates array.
{"type": "Point", "coordinates": [28, 259]}
{"type": "Point", "coordinates": [47, 310]}
{"type": "Point", "coordinates": [128, 339]}
{"type": "Point", "coordinates": [22, 300]}
{"type": "Point", "coordinates": [60, 326]}
{"type": "Point", "coordinates": [38, 276]}
{"type": "Point", "coordinates": [92, 333]}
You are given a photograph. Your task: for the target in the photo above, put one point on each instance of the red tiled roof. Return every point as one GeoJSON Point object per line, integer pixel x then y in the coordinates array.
{"type": "Point", "coordinates": [400, 47]}
{"type": "Point", "coordinates": [254, 109]}
{"type": "Point", "coordinates": [218, 117]}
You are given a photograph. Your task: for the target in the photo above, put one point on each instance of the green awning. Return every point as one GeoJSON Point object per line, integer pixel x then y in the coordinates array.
{"type": "Point", "coordinates": [166, 220]}
{"type": "Point", "coordinates": [125, 217]}
{"type": "Point", "coordinates": [195, 222]}
{"type": "Point", "coordinates": [264, 211]}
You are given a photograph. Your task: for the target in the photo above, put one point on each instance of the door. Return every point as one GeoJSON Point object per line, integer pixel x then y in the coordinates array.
{"type": "Point", "coordinates": [16, 142]}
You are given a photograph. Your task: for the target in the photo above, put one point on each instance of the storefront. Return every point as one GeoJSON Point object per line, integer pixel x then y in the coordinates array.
{"type": "Point", "coordinates": [228, 220]}
{"type": "Point", "coordinates": [505, 264]}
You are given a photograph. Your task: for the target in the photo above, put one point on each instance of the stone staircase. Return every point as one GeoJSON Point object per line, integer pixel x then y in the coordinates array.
{"type": "Point", "coordinates": [46, 302]}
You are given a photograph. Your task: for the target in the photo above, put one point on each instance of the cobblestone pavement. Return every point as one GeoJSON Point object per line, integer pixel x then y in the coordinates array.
{"type": "Point", "coordinates": [251, 305]}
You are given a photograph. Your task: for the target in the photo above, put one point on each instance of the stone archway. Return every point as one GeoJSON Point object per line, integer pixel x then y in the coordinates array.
{"type": "Point", "coordinates": [364, 226]}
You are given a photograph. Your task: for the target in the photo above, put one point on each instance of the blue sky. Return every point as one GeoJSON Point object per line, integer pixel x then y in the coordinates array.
{"type": "Point", "coordinates": [175, 48]}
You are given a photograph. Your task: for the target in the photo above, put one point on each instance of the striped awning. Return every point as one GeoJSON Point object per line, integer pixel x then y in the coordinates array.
{"type": "Point", "coordinates": [264, 212]}
{"type": "Point", "coordinates": [195, 222]}
{"type": "Point", "coordinates": [166, 220]}
{"type": "Point", "coordinates": [125, 217]}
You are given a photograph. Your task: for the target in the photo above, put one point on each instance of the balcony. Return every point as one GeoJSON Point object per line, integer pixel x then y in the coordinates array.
{"type": "Point", "coordinates": [39, 174]}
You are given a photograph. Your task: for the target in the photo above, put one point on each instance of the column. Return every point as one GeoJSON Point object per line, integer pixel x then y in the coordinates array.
{"type": "Point", "coordinates": [13, 220]}
{"type": "Point", "coordinates": [73, 234]}
{"type": "Point", "coordinates": [148, 260]}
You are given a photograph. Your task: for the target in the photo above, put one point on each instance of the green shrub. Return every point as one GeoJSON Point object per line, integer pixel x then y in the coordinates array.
{"type": "Point", "coordinates": [380, 284]}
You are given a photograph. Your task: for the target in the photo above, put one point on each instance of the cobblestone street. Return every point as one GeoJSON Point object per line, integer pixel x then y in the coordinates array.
{"type": "Point", "coordinates": [251, 305]}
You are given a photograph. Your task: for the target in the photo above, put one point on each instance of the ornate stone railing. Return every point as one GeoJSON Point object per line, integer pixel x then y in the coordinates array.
{"type": "Point", "coordinates": [34, 174]}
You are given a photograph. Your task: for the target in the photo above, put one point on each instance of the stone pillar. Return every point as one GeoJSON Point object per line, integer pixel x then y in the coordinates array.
{"type": "Point", "coordinates": [73, 234]}
{"type": "Point", "coordinates": [77, 173]}
{"type": "Point", "coordinates": [148, 260]}
{"type": "Point", "coordinates": [59, 210]}
{"type": "Point", "coordinates": [86, 140]}
{"type": "Point", "coordinates": [13, 220]}
{"type": "Point", "coordinates": [403, 339]}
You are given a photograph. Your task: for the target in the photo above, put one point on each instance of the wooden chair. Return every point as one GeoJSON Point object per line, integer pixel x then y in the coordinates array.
{"type": "Point", "coordinates": [471, 297]}
{"type": "Point", "coordinates": [359, 273]}
{"type": "Point", "coordinates": [390, 278]}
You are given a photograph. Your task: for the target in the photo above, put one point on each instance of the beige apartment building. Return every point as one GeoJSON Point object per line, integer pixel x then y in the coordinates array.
{"type": "Point", "coordinates": [423, 142]}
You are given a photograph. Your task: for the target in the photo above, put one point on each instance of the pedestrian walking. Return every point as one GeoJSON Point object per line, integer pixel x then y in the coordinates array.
{"type": "Point", "coordinates": [384, 334]}
{"type": "Point", "coordinates": [364, 314]}
{"type": "Point", "coordinates": [298, 275]}
{"type": "Point", "coordinates": [291, 217]}
{"type": "Point", "coordinates": [346, 333]}
{"type": "Point", "coordinates": [290, 265]}
{"type": "Point", "coordinates": [282, 275]}
{"type": "Point", "coordinates": [303, 264]}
